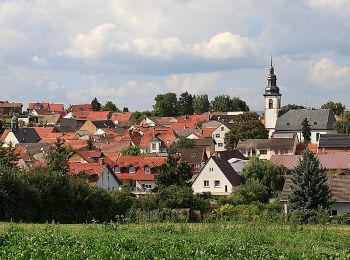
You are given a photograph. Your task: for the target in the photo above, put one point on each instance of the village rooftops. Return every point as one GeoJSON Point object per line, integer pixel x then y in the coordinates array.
{"type": "Point", "coordinates": [334, 141]}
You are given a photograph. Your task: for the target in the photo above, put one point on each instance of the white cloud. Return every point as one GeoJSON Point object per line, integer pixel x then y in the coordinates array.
{"type": "Point", "coordinates": [55, 85]}
{"type": "Point", "coordinates": [327, 72]}
{"type": "Point", "coordinates": [340, 6]}
{"type": "Point", "coordinates": [39, 61]}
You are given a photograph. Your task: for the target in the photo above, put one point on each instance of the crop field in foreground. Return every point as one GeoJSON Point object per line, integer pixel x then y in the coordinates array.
{"type": "Point", "coordinates": [174, 241]}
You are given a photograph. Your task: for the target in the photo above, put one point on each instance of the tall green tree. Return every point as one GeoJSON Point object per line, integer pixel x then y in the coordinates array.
{"type": "Point", "coordinates": [247, 126]}
{"type": "Point", "coordinates": [292, 107]}
{"type": "Point", "coordinates": [95, 105]}
{"type": "Point", "coordinates": [186, 104]}
{"type": "Point", "coordinates": [57, 157]}
{"type": "Point", "coordinates": [238, 104]}
{"type": "Point", "coordinates": [125, 109]}
{"type": "Point", "coordinates": [166, 105]}
{"type": "Point", "coordinates": [343, 126]}
{"type": "Point", "coordinates": [201, 104]}
{"type": "Point", "coordinates": [337, 108]}
{"type": "Point", "coordinates": [8, 156]}
{"type": "Point", "coordinates": [306, 131]}
{"type": "Point", "coordinates": [309, 188]}
{"type": "Point", "coordinates": [110, 106]}
{"type": "Point", "coordinates": [173, 172]}
{"type": "Point", "coordinates": [221, 103]}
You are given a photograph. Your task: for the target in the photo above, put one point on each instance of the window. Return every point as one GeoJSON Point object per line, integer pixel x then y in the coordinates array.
{"type": "Point", "coordinates": [147, 169]}
{"type": "Point", "coordinates": [193, 155]}
{"type": "Point", "coordinates": [315, 123]}
{"type": "Point", "coordinates": [253, 152]}
{"type": "Point", "coordinates": [263, 151]}
{"type": "Point", "coordinates": [220, 144]}
{"type": "Point", "coordinates": [217, 184]}
{"type": "Point", "coordinates": [211, 169]}
{"type": "Point", "coordinates": [117, 169]}
{"type": "Point", "coordinates": [131, 169]}
{"type": "Point", "coordinates": [217, 135]}
{"type": "Point", "coordinates": [270, 103]}
{"type": "Point", "coordinates": [206, 184]}
{"type": "Point", "coordinates": [154, 146]}
{"type": "Point", "coordinates": [222, 128]}
{"type": "Point", "coordinates": [334, 212]}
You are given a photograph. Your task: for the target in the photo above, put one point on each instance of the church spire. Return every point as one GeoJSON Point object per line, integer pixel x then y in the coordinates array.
{"type": "Point", "coordinates": [272, 88]}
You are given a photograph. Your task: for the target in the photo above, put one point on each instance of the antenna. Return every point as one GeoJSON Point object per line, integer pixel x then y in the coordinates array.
{"type": "Point", "coordinates": [271, 60]}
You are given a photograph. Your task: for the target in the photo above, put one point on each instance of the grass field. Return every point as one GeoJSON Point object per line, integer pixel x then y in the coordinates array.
{"type": "Point", "coordinates": [174, 241]}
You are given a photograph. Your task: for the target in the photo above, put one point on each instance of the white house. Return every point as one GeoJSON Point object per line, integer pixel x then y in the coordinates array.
{"type": "Point", "coordinates": [217, 177]}
{"type": "Point", "coordinates": [219, 137]}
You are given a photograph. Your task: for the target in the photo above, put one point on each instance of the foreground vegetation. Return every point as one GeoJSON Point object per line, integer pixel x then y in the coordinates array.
{"type": "Point", "coordinates": [174, 241]}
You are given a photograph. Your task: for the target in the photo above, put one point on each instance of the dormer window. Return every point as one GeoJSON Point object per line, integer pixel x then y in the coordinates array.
{"type": "Point", "coordinates": [315, 123]}
{"type": "Point", "coordinates": [117, 169]}
{"type": "Point", "coordinates": [193, 155]}
{"type": "Point", "coordinates": [131, 169]}
{"type": "Point", "coordinates": [147, 170]}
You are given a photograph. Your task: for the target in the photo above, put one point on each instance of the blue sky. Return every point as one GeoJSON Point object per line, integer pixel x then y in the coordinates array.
{"type": "Point", "coordinates": [129, 51]}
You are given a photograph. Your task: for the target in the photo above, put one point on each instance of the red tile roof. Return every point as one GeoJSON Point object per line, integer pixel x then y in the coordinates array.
{"type": "Point", "coordinates": [88, 168]}
{"type": "Point", "coordinates": [43, 132]}
{"type": "Point", "coordinates": [121, 116]}
{"type": "Point", "coordinates": [47, 106]}
{"type": "Point", "coordinates": [207, 132]}
{"type": "Point", "coordinates": [193, 118]}
{"type": "Point", "coordinates": [81, 114]}
{"type": "Point", "coordinates": [179, 126]}
{"type": "Point", "coordinates": [98, 115]}
{"type": "Point", "coordinates": [9, 105]}
{"type": "Point", "coordinates": [90, 155]}
{"type": "Point", "coordinates": [334, 161]}
{"type": "Point", "coordinates": [167, 135]}
{"type": "Point", "coordinates": [75, 144]}
{"type": "Point", "coordinates": [4, 135]}
{"type": "Point", "coordinates": [80, 107]}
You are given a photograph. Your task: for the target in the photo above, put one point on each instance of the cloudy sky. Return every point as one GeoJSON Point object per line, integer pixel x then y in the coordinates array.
{"type": "Point", "coordinates": [129, 51]}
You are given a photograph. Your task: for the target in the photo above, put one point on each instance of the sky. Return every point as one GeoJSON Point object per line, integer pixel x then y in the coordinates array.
{"type": "Point", "coordinates": [129, 51]}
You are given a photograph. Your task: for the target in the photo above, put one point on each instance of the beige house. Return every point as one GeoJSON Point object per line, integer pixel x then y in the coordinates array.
{"type": "Point", "coordinates": [91, 127]}
{"type": "Point", "coordinates": [217, 177]}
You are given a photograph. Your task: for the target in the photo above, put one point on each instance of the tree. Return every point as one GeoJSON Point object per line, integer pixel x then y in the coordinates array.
{"type": "Point", "coordinates": [306, 131]}
{"type": "Point", "coordinates": [337, 108]}
{"type": "Point", "coordinates": [182, 142]}
{"type": "Point", "coordinates": [166, 105]}
{"type": "Point", "coordinates": [131, 150]}
{"type": "Point", "coordinates": [95, 105]}
{"type": "Point", "coordinates": [247, 126]}
{"type": "Point", "coordinates": [1, 127]}
{"type": "Point", "coordinates": [8, 156]}
{"type": "Point", "coordinates": [292, 107]}
{"type": "Point", "coordinates": [343, 126]}
{"type": "Point", "coordinates": [110, 106]}
{"type": "Point", "coordinates": [239, 105]}
{"type": "Point", "coordinates": [201, 104]}
{"type": "Point", "coordinates": [225, 103]}
{"type": "Point", "coordinates": [173, 172]}
{"type": "Point", "coordinates": [309, 188]}
{"type": "Point", "coordinates": [268, 174]}
{"type": "Point", "coordinates": [90, 144]}
{"type": "Point", "coordinates": [57, 157]}
{"type": "Point", "coordinates": [125, 109]}
{"type": "Point", "coordinates": [252, 190]}
{"type": "Point", "coordinates": [124, 200]}
{"type": "Point", "coordinates": [186, 104]}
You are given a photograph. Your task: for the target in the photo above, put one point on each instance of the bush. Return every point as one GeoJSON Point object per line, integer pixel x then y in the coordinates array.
{"type": "Point", "coordinates": [309, 216]}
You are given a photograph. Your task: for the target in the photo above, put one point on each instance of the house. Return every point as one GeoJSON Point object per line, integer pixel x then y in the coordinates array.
{"type": "Point", "coordinates": [18, 135]}
{"type": "Point", "coordinates": [99, 115]}
{"type": "Point", "coordinates": [193, 118]}
{"type": "Point", "coordinates": [219, 136]}
{"type": "Point", "coordinates": [208, 144]}
{"type": "Point", "coordinates": [69, 125]}
{"type": "Point", "coordinates": [339, 186]}
{"type": "Point", "coordinates": [123, 119]}
{"type": "Point", "coordinates": [157, 140]}
{"type": "Point", "coordinates": [91, 126]}
{"type": "Point", "coordinates": [320, 120]}
{"type": "Point", "coordinates": [158, 121]}
{"type": "Point", "coordinates": [100, 174]}
{"type": "Point", "coordinates": [217, 177]}
{"type": "Point", "coordinates": [50, 119]}
{"type": "Point", "coordinates": [32, 154]}
{"type": "Point", "coordinates": [333, 143]}
{"type": "Point", "coordinates": [45, 107]}
{"type": "Point", "coordinates": [7, 108]}
{"type": "Point", "coordinates": [338, 162]}
{"type": "Point", "coordinates": [225, 117]}
{"type": "Point", "coordinates": [235, 158]}
{"type": "Point", "coordinates": [265, 148]}
{"type": "Point", "coordinates": [196, 157]}
{"type": "Point", "coordinates": [80, 107]}
{"type": "Point", "coordinates": [86, 156]}
{"type": "Point", "coordinates": [138, 172]}
{"type": "Point", "coordinates": [189, 133]}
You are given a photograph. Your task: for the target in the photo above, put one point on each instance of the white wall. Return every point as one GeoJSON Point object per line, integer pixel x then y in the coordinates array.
{"type": "Point", "coordinates": [108, 181]}
{"type": "Point", "coordinates": [207, 174]}
{"type": "Point", "coordinates": [10, 140]}
{"type": "Point", "coordinates": [221, 138]}
{"type": "Point", "coordinates": [271, 115]}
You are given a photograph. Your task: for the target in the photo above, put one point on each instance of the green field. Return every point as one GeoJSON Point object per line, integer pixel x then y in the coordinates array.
{"type": "Point", "coordinates": [174, 241]}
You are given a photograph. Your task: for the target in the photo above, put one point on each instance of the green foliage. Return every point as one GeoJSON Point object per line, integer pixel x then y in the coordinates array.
{"type": "Point", "coordinates": [95, 105]}
{"type": "Point", "coordinates": [292, 107]}
{"type": "Point", "coordinates": [343, 126]}
{"type": "Point", "coordinates": [110, 106]}
{"type": "Point", "coordinates": [131, 150]}
{"type": "Point", "coordinates": [90, 144]}
{"type": "Point", "coordinates": [124, 200]}
{"type": "Point", "coordinates": [270, 175]}
{"type": "Point", "coordinates": [186, 104]}
{"type": "Point", "coordinates": [306, 131]}
{"type": "Point", "coordinates": [337, 108]}
{"type": "Point", "coordinates": [57, 157]}
{"type": "Point", "coordinates": [139, 115]}
{"type": "Point", "coordinates": [247, 126]}
{"type": "Point", "coordinates": [8, 156]}
{"type": "Point", "coordinates": [125, 109]}
{"type": "Point", "coordinates": [252, 190]}
{"type": "Point", "coordinates": [225, 103]}
{"type": "Point", "coordinates": [166, 105]}
{"type": "Point", "coordinates": [309, 188]}
{"type": "Point", "coordinates": [173, 172]}
{"type": "Point", "coordinates": [182, 142]}
{"type": "Point", "coordinates": [201, 104]}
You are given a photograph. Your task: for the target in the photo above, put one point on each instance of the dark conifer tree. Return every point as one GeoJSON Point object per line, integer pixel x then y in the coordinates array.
{"type": "Point", "coordinates": [95, 105]}
{"type": "Point", "coordinates": [306, 131]}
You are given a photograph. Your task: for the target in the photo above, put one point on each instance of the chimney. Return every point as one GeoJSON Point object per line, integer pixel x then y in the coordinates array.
{"type": "Point", "coordinates": [101, 161]}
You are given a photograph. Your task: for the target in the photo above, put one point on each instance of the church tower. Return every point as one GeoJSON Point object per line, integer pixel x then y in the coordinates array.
{"type": "Point", "coordinates": [272, 101]}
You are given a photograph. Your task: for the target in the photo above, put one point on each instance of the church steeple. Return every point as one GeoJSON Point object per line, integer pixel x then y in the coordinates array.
{"type": "Point", "coordinates": [272, 89]}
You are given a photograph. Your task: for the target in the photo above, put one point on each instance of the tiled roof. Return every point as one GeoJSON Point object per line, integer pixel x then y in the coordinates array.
{"type": "Point", "coordinates": [81, 107]}
{"type": "Point", "coordinates": [167, 135]}
{"type": "Point", "coordinates": [227, 155]}
{"type": "Point", "coordinates": [121, 116]}
{"type": "Point", "coordinates": [339, 160]}
{"type": "Point", "coordinates": [276, 143]}
{"type": "Point", "coordinates": [47, 106]}
{"type": "Point", "coordinates": [103, 123]}
{"type": "Point", "coordinates": [113, 147]}
{"type": "Point", "coordinates": [193, 118]}
{"type": "Point", "coordinates": [88, 168]}
{"type": "Point", "coordinates": [187, 132]}
{"type": "Point", "coordinates": [207, 132]}
{"type": "Point", "coordinates": [99, 115]}
{"type": "Point", "coordinates": [81, 114]}
{"type": "Point", "coordinates": [318, 119]}
{"type": "Point", "coordinates": [339, 186]}
{"type": "Point", "coordinates": [27, 135]}
{"type": "Point", "coordinates": [90, 155]}
{"type": "Point", "coordinates": [10, 105]}
{"type": "Point", "coordinates": [233, 177]}
{"type": "Point", "coordinates": [193, 155]}
{"type": "Point", "coordinates": [43, 132]}
{"type": "Point", "coordinates": [179, 126]}
{"type": "Point", "coordinates": [4, 134]}
{"type": "Point", "coordinates": [204, 142]}
{"type": "Point", "coordinates": [334, 141]}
